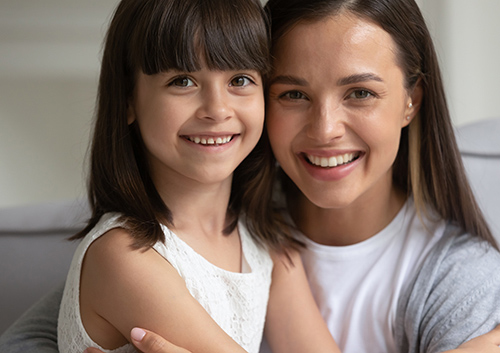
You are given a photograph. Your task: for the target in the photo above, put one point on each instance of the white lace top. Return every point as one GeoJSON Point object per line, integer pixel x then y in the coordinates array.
{"type": "Point", "coordinates": [236, 301]}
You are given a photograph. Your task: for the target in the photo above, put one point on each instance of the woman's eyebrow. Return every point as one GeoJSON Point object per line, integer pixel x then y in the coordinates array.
{"type": "Point", "coordinates": [288, 80]}
{"type": "Point", "coordinates": [356, 78]}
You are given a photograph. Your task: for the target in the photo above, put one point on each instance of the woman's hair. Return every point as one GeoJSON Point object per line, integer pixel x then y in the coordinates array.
{"type": "Point", "coordinates": [428, 165]}
{"type": "Point", "coordinates": [154, 36]}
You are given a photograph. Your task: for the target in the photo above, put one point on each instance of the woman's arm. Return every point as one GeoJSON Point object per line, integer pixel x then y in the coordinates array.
{"type": "Point", "coordinates": [293, 322]}
{"type": "Point", "coordinates": [122, 288]}
{"type": "Point", "coordinates": [453, 298]}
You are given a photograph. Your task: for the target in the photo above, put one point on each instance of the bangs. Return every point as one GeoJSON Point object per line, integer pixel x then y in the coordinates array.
{"type": "Point", "coordinates": [187, 35]}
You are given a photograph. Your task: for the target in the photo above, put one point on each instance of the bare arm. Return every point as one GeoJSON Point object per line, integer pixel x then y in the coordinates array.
{"type": "Point", "coordinates": [122, 288]}
{"type": "Point", "coordinates": [293, 322]}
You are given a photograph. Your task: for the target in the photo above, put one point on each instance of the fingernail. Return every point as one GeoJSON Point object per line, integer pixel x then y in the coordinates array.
{"type": "Point", "coordinates": [137, 334]}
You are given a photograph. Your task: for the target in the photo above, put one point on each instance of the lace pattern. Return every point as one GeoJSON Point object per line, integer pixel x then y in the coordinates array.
{"type": "Point", "coordinates": [236, 301]}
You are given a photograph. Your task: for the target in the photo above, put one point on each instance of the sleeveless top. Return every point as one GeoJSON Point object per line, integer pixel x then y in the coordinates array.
{"type": "Point", "coordinates": [236, 301]}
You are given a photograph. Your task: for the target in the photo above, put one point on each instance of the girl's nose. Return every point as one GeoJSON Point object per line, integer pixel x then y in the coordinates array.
{"type": "Point", "coordinates": [215, 105]}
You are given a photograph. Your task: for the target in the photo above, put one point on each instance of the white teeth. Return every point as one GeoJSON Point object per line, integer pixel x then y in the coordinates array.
{"type": "Point", "coordinates": [211, 140]}
{"type": "Point", "coordinates": [332, 161]}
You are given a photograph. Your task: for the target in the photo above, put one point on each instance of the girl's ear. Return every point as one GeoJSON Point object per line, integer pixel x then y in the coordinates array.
{"type": "Point", "coordinates": [413, 104]}
{"type": "Point", "coordinates": [130, 112]}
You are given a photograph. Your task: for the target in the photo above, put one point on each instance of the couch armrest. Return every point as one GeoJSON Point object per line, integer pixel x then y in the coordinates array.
{"type": "Point", "coordinates": [479, 144]}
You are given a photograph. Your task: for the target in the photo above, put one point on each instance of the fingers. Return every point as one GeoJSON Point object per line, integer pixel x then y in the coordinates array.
{"type": "Point", "coordinates": [149, 342]}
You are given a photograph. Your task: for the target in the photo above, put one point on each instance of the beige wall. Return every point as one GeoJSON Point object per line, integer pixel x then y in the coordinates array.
{"type": "Point", "coordinates": [49, 59]}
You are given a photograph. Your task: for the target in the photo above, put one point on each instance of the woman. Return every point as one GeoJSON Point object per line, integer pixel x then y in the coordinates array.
{"type": "Point", "coordinates": [398, 254]}
{"type": "Point", "coordinates": [373, 178]}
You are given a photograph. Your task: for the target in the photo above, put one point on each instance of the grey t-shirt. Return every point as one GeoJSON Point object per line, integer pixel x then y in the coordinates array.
{"type": "Point", "coordinates": [454, 297]}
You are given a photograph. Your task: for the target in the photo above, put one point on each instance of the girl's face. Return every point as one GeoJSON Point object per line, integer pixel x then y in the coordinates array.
{"type": "Point", "coordinates": [198, 126]}
{"type": "Point", "coordinates": [337, 104]}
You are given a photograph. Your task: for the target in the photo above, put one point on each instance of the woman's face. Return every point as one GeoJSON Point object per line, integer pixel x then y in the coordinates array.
{"type": "Point", "coordinates": [337, 104]}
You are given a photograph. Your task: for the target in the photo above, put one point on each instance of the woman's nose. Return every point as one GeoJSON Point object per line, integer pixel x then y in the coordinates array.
{"type": "Point", "coordinates": [326, 123]}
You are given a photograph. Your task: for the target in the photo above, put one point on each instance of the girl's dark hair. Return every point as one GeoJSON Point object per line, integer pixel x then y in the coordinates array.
{"type": "Point", "coordinates": [154, 36]}
{"type": "Point", "coordinates": [428, 165]}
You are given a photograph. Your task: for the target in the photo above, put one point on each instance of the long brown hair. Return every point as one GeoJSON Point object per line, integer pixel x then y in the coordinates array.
{"type": "Point", "coordinates": [155, 36]}
{"type": "Point", "coordinates": [428, 165]}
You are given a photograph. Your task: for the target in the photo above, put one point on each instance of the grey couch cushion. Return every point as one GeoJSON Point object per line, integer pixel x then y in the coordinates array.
{"type": "Point", "coordinates": [35, 253]}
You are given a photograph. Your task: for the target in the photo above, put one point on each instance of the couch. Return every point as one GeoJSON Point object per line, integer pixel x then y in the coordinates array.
{"type": "Point", "coordinates": [35, 253]}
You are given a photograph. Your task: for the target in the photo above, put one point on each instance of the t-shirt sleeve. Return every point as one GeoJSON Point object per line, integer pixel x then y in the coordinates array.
{"type": "Point", "coordinates": [454, 297]}
{"type": "Point", "coordinates": [36, 330]}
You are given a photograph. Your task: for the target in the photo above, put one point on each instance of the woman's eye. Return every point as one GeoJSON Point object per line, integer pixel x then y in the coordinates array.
{"type": "Point", "coordinates": [241, 81]}
{"type": "Point", "coordinates": [360, 94]}
{"type": "Point", "coordinates": [182, 82]}
{"type": "Point", "coordinates": [293, 95]}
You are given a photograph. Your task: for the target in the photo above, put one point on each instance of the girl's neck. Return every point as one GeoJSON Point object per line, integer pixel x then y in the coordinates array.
{"type": "Point", "coordinates": [200, 218]}
{"type": "Point", "coordinates": [197, 208]}
{"type": "Point", "coordinates": [347, 225]}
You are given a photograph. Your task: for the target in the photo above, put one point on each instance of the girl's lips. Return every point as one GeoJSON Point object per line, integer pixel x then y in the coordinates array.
{"type": "Point", "coordinates": [210, 140]}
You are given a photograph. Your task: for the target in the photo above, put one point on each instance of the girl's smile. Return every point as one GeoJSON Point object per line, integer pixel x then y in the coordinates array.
{"type": "Point", "coordinates": [211, 140]}
{"type": "Point", "coordinates": [197, 127]}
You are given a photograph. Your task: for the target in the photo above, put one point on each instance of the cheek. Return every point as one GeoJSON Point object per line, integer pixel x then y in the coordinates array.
{"type": "Point", "coordinates": [383, 142]}
{"type": "Point", "coordinates": [277, 132]}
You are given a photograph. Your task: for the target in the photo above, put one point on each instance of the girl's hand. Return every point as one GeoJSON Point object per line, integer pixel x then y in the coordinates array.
{"type": "Point", "coordinates": [487, 343]}
{"type": "Point", "coordinates": [148, 342]}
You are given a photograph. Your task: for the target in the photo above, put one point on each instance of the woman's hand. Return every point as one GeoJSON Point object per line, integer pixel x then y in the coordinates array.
{"type": "Point", "coordinates": [487, 343]}
{"type": "Point", "coordinates": [148, 342]}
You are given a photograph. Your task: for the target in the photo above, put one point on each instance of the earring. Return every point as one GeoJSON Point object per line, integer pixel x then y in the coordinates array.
{"type": "Point", "coordinates": [410, 105]}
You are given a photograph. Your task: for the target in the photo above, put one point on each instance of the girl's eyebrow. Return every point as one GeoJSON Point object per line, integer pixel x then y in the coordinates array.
{"type": "Point", "coordinates": [288, 80]}
{"type": "Point", "coordinates": [356, 78]}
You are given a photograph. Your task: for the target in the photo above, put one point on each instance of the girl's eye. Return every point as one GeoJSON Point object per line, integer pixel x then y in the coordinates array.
{"type": "Point", "coordinates": [361, 94]}
{"type": "Point", "coordinates": [182, 82]}
{"type": "Point", "coordinates": [241, 81]}
{"type": "Point", "coordinates": [293, 95]}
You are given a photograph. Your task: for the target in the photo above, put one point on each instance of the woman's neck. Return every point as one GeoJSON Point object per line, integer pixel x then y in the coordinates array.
{"type": "Point", "coordinates": [349, 225]}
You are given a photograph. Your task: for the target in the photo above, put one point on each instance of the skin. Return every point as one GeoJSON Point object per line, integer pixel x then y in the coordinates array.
{"type": "Point", "coordinates": [178, 115]}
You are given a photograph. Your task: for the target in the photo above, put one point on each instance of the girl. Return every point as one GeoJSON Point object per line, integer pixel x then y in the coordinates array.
{"type": "Point", "coordinates": [181, 224]}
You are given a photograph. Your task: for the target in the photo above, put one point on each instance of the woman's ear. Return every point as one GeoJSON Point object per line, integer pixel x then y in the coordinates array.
{"type": "Point", "coordinates": [414, 103]}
